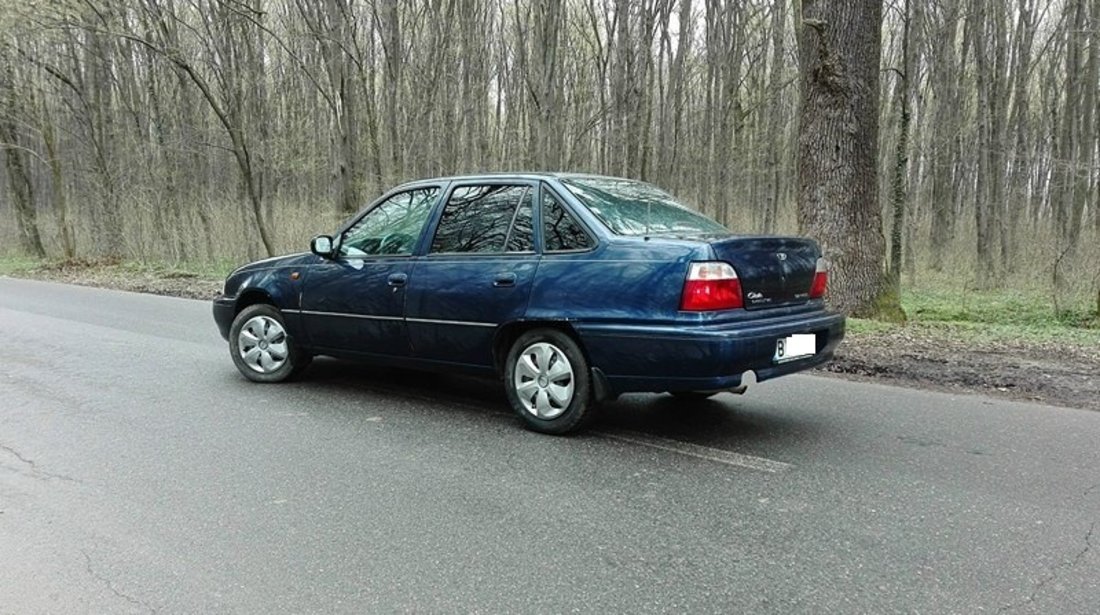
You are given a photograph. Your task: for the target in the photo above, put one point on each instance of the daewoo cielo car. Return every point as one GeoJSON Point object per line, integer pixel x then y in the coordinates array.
{"type": "Point", "coordinates": [571, 288]}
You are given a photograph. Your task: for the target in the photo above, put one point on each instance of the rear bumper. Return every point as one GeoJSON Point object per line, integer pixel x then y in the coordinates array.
{"type": "Point", "coordinates": [224, 308]}
{"type": "Point", "coordinates": [704, 358]}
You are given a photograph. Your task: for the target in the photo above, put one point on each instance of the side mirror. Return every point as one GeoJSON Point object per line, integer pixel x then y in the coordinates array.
{"type": "Point", "coordinates": [321, 245]}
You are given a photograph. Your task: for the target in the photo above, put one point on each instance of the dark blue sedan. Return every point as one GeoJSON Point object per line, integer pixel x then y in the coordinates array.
{"type": "Point", "coordinates": [571, 288]}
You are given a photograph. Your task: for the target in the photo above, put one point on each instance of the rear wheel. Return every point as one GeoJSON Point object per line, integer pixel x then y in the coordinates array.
{"type": "Point", "coordinates": [548, 382]}
{"type": "Point", "coordinates": [261, 348]}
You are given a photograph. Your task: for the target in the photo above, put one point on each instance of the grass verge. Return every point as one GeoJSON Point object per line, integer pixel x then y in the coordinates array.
{"type": "Point", "coordinates": [987, 317]}
{"type": "Point", "coordinates": [191, 280]}
{"type": "Point", "coordinates": [15, 265]}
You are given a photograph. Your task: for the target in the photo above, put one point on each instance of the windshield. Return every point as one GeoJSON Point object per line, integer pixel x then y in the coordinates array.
{"type": "Point", "coordinates": [631, 207]}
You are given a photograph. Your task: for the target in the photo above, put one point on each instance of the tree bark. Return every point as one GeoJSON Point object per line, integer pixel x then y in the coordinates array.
{"type": "Point", "coordinates": [839, 49]}
{"type": "Point", "coordinates": [22, 189]}
{"type": "Point", "coordinates": [1067, 203]}
{"type": "Point", "coordinates": [1018, 168]}
{"type": "Point", "coordinates": [775, 140]}
{"type": "Point", "coordinates": [393, 45]}
{"type": "Point", "coordinates": [900, 194]}
{"type": "Point", "coordinates": [946, 143]}
{"type": "Point", "coordinates": [15, 159]}
{"type": "Point", "coordinates": [60, 202]}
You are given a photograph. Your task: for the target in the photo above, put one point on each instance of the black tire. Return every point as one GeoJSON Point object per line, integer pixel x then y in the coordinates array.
{"type": "Point", "coordinates": [690, 396]}
{"type": "Point", "coordinates": [562, 418]}
{"type": "Point", "coordinates": [291, 365]}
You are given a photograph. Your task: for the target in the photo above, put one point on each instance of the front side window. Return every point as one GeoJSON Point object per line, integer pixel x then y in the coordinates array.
{"type": "Point", "coordinates": [560, 232]}
{"type": "Point", "coordinates": [486, 219]}
{"type": "Point", "coordinates": [391, 228]}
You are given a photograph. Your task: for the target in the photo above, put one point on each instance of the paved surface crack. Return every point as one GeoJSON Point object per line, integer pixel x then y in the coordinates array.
{"type": "Point", "coordinates": [111, 586]}
{"type": "Point", "coordinates": [18, 455]}
{"type": "Point", "coordinates": [35, 470]}
{"type": "Point", "coordinates": [1053, 573]}
{"type": "Point", "coordinates": [698, 451]}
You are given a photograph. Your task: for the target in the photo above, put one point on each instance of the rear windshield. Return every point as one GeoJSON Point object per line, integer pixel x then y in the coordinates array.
{"type": "Point", "coordinates": [631, 207]}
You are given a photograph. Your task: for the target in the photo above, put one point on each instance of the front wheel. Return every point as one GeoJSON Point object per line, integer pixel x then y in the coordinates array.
{"type": "Point", "coordinates": [548, 382]}
{"type": "Point", "coordinates": [261, 348]}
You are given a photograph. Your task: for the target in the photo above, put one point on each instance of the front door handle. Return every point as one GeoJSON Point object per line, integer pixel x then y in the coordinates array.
{"type": "Point", "coordinates": [397, 279]}
{"type": "Point", "coordinates": [504, 279]}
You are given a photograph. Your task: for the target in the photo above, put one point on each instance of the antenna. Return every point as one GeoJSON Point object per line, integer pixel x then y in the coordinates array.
{"type": "Point", "coordinates": [648, 213]}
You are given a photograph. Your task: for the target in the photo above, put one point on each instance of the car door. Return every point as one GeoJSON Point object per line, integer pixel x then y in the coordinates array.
{"type": "Point", "coordinates": [476, 275]}
{"type": "Point", "coordinates": [354, 302]}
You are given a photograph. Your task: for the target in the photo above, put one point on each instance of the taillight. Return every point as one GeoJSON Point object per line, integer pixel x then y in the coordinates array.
{"type": "Point", "coordinates": [821, 279]}
{"type": "Point", "coordinates": [711, 286]}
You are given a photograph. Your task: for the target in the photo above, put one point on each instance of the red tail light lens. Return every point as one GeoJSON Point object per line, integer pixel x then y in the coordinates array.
{"type": "Point", "coordinates": [711, 286]}
{"type": "Point", "coordinates": [821, 279]}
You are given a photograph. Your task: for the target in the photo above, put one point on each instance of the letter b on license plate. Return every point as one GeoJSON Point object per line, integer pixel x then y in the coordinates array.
{"type": "Point", "coordinates": [795, 347]}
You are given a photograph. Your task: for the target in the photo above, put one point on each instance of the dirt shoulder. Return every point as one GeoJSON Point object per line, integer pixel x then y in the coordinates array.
{"type": "Point", "coordinates": [1057, 371]}
{"type": "Point", "coordinates": [129, 277]}
{"type": "Point", "coordinates": [1061, 369]}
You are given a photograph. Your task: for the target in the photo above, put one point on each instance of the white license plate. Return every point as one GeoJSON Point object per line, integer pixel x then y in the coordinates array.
{"type": "Point", "coordinates": [795, 347]}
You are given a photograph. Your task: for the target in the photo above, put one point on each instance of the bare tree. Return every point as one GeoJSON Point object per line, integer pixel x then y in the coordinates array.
{"type": "Point", "coordinates": [215, 129]}
{"type": "Point", "coordinates": [899, 194]}
{"type": "Point", "coordinates": [838, 189]}
{"type": "Point", "coordinates": [16, 162]}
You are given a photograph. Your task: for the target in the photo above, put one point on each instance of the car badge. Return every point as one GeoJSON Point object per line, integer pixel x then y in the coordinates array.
{"type": "Point", "coordinates": [781, 256]}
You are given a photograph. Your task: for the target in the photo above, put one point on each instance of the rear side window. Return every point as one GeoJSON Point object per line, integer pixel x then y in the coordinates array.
{"type": "Point", "coordinates": [486, 219]}
{"type": "Point", "coordinates": [631, 207]}
{"type": "Point", "coordinates": [560, 232]}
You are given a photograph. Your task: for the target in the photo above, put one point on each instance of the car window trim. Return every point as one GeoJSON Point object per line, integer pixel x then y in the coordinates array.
{"type": "Point", "coordinates": [440, 186]}
{"type": "Point", "coordinates": [515, 216]}
{"type": "Point", "coordinates": [369, 257]}
{"type": "Point", "coordinates": [437, 217]}
{"type": "Point", "coordinates": [433, 255]}
{"type": "Point", "coordinates": [572, 214]}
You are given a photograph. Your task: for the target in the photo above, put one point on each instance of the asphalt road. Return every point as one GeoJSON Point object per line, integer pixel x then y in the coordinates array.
{"type": "Point", "coordinates": [139, 472]}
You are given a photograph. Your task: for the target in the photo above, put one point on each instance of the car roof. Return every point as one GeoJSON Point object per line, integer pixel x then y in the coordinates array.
{"type": "Point", "coordinates": [517, 175]}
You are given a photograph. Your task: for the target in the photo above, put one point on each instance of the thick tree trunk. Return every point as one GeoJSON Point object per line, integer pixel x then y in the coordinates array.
{"type": "Point", "coordinates": [622, 74]}
{"type": "Point", "coordinates": [15, 159]}
{"type": "Point", "coordinates": [335, 44]}
{"type": "Point", "coordinates": [900, 194]}
{"type": "Point", "coordinates": [392, 43]}
{"type": "Point", "coordinates": [1094, 76]}
{"type": "Point", "coordinates": [1087, 165]}
{"type": "Point", "coordinates": [946, 149]}
{"type": "Point", "coordinates": [107, 220]}
{"type": "Point", "coordinates": [838, 203]}
{"type": "Point", "coordinates": [1067, 204]}
{"type": "Point", "coordinates": [774, 142]}
{"type": "Point", "coordinates": [1017, 200]}
{"type": "Point", "coordinates": [22, 189]}
{"type": "Point", "coordinates": [676, 86]}
{"type": "Point", "coordinates": [544, 84]}
{"type": "Point", "coordinates": [986, 264]}
{"type": "Point", "coordinates": [60, 202]}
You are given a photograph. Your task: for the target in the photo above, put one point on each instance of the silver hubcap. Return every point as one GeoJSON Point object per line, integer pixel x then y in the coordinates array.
{"type": "Point", "coordinates": [543, 380]}
{"type": "Point", "coordinates": [262, 344]}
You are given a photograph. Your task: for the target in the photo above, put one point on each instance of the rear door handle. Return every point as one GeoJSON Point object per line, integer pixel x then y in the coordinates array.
{"type": "Point", "coordinates": [397, 279]}
{"type": "Point", "coordinates": [504, 279]}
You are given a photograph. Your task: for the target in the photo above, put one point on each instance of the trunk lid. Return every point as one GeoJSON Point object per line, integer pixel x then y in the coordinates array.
{"type": "Point", "coordinates": [773, 271]}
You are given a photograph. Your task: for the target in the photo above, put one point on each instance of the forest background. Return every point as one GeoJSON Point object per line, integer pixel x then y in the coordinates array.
{"type": "Point", "coordinates": [215, 131]}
